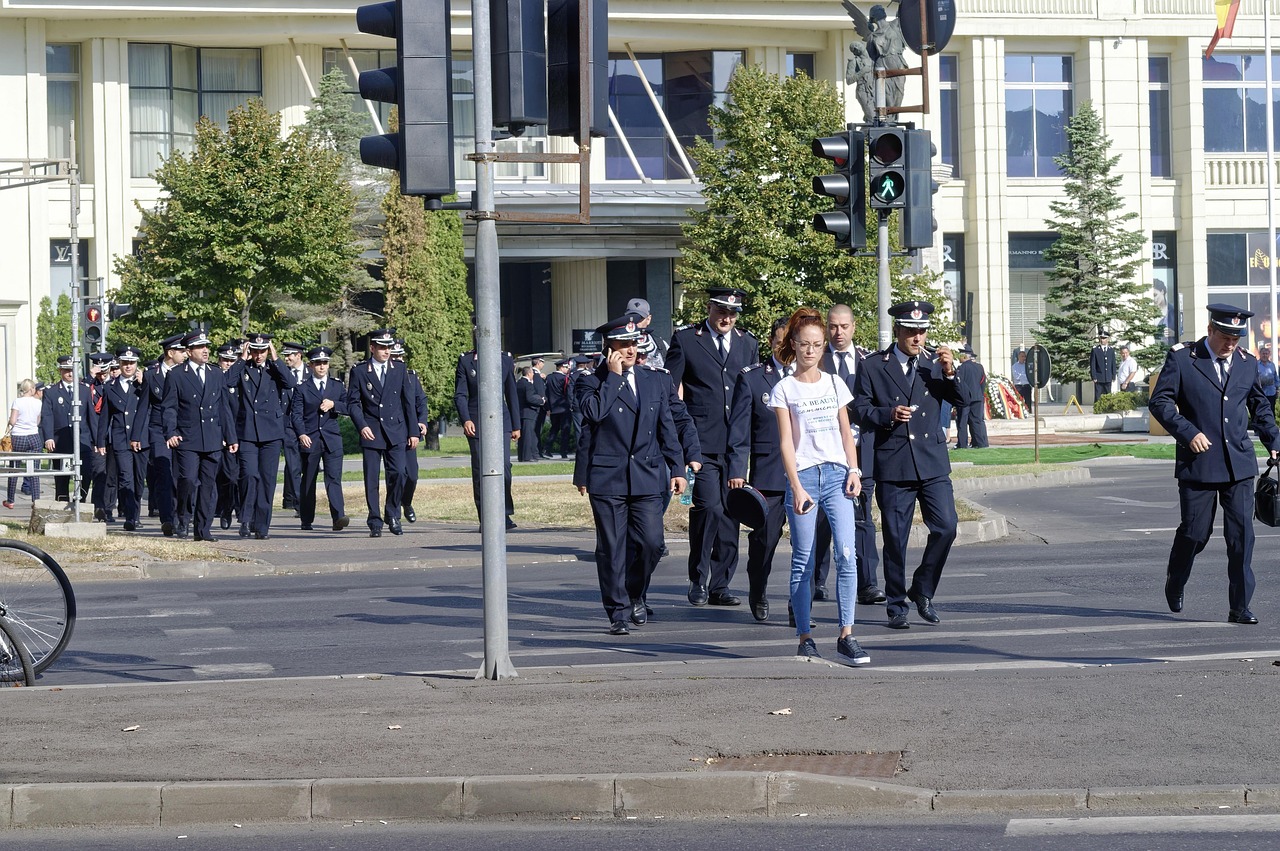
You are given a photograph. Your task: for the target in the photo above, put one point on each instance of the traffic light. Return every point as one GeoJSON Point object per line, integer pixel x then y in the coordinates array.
{"type": "Point", "coordinates": [117, 311]}
{"type": "Point", "coordinates": [419, 85]}
{"type": "Point", "coordinates": [93, 325]}
{"type": "Point", "coordinates": [886, 153]}
{"type": "Point", "coordinates": [563, 62]}
{"type": "Point", "coordinates": [519, 64]}
{"type": "Point", "coordinates": [847, 222]}
{"type": "Point", "coordinates": [918, 224]}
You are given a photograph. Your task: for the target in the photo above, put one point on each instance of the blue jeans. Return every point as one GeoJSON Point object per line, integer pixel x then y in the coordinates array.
{"type": "Point", "coordinates": [825, 485]}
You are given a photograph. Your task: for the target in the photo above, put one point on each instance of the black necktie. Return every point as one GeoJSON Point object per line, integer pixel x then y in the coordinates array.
{"type": "Point", "coordinates": [1222, 371]}
{"type": "Point", "coordinates": [720, 346]}
{"type": "Point", "coordinates": [843, 369]}
{"type": "Point", "coordinates": [321, 388]}
{"type": "Point", "coordinates": [911, 369]}
{"type": "Point", "coordinates": [627, 379]}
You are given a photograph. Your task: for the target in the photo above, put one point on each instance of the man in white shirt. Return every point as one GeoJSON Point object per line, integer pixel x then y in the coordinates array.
{"type": "Point", "coordinates": [1128, 370]}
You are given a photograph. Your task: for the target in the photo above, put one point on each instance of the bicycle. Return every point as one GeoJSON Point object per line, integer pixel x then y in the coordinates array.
{"type": "Point", "coordinates": [36, 600]}
{"type": "Point", "coordinates": [15, 661]}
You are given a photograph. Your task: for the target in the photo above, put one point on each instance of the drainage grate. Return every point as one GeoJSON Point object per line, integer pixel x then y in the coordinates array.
{"type": "Point", "coordinates": [881, 766]}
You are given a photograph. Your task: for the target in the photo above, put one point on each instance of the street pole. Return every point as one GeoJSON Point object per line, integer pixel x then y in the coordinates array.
{"type": "Point", "coordinates": [77, 307]}
{"type": "Point", "coordinates": [884, 292]}
{"type": "Point", "coordinates": [1271, 176]}
{"type": "Point", "coordinates": [493, 449]}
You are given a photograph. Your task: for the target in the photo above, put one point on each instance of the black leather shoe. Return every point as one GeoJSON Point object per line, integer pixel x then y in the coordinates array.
{"type": "Point", "coordinates": [209, 538]}
{"type": "Point", "coordinates": [262, 536]}
{"type": "Point", "coordinates": [410, 515]}
{"type": "Point", "coordinates": [341, 523]}
{"type": "Point", "coordinates": [924, 606]}
{"type": "Point", "coordinates": [619, 628]}
{"type": "Point", "coordinates": [1172, 594]}
{"type": "Point", "coordinates": [511, 524]}
{"type": "Point", "coordinates": [226, 522]}
{"type": "Point", "coordinates": [760, 610]}
{"type": "Point", "coordinates": [638, 614]}
{"type": "Point", "coordinates": [244, 532]}
{"type": "Point", "coordinates": [167, 528]}
{"type": "Point", "coordinates": [698, 595]}
{"type": "Point", "coordinates": [396, 528]}
{"type": "Point", "coordinates": [820, 593]}
{"type": "Point", "coordinates": [375, 532]}
{"type": "Point", "coordinates": [306, 527]}
{"type": "Point", "coordinates": [899, 622]}
{"type": "Point", "coordinates": [180, 531]}
{"type": "Point", "coordinates": [130, 526]}
{"type": "Point", "coordinates": [1242, 616]}
{"type": "Point", "coordinates": [870, 596]}
{"type": "Point", "coordinates": [724, 598]}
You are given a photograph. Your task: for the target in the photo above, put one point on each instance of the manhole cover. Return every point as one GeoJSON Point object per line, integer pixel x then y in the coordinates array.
{"type": "Point", "coordinates": [877, 765]}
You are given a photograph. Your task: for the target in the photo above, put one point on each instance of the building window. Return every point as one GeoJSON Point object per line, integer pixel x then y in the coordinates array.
{"type": "Point", "coordinates": [800, 62]}
{"type": "Point", "coordinates": [1161, 132]}
{"type": "Point", "coordinates": [949, 107]}
{"type": "Point", "coordinates": [1038, 106]}
{"type": "Point", "coordinates": [1235, 119]}
{"type": "Point", "coordinates": [1239, 273]}
{"type": "Point", "coordinates": [171, 86]}
{"type": "Point", "coordinates": [686, 86]}
{"type": "Point", "coordinates": [62, 78]}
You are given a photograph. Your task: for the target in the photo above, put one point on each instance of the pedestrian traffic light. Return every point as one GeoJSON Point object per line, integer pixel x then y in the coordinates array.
{"type": "Point", "coordinates": [847, 222]}
{"type": "Point", "coordinates": [93, 324]}
{"type": "Point", "coordinates": [886, 152]}
{"type": "Point", "coordinates": [421, 149]}
{"type": "Point", "coordinates": [117, 310]}
{"type": "Point", "coordinates": [918, 223]}
{"type": "Point", "coordinates": [564, 58]}
{"type": "Point", "coordinates": [519, 64]}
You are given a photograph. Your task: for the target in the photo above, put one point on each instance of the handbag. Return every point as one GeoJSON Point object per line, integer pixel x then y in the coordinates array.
{"type": "Point", "coordinates": [1266, 495]}
{"type": "Point", "coordinates": [6, 443]}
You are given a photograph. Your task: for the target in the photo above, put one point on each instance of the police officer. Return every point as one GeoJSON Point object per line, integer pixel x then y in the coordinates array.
{"type": "Point", "coordinates": [581, 367]}
{"type": "Point", "coordinates": [55, 425]}
{"type": "Point", "coordinates": [263, 379]}
{"type": "Point", "coordinates": [558, 384]}
{"type": "Point", "coordinates": [466, 398]}
{"type": "Point", "coordinates": [160, 473]}
{"type": "Point", "coordinates": [1102, 366]}
{"type": "Point", "coordinates": [317, 404]}
{"type": "Point", "coordinates": [1207, 395]}
{"type": "Point", "coordinates": [898, 394]}
{"type": "Point", "coordinates": [971, 420]}
{"type": "Point", "coordinates": [755, 458]}
{"type": "Point", "coordinates": [229, 488]}
{"type": "Point", "coordinates": [704, 361]}
{"type": "Point", "coordinates": [540, 390]}
{"type": "Point", "coordinates": [102, 467]}
{"type": "Point", "coordinates": [124, 433]}
{"type": "Point", "coordinates": [291, 352]}
{"type": "Point", "coordinates": [531, 403]}
{"type": "Point", "coordinates": [422, 417]}
{"type": "Point", "coordinates": [198, 423]}
{"type": "Point", "coordinates": [633, 447]}
{"type": "Point", "coordinates": [380, 401]}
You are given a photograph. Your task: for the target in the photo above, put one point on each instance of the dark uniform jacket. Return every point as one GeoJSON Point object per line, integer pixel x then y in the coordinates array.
{"type": "Point", "coordinates": [55, 416]}
{"type": "Point", "coordinates": [633, 444]}
{"type": "Point", "coordinates": [307, 418]}
{"type": "Point", "coordinates": [974, 378]}
{"type": "Point", "coordinates": [754, 452]}
{"type": "Point", "coordinates": [198, 413]}
{"type": "Point", "coordinates": [866, 436]}
{"type": "Point", "coordinates": [387, 408]}
{"type": "Point", "coordinates": [466, 391]}
{"type": "Point", "coordinates": [126, 416]}
{"type": "Point", "coordinates": [695, 363]}
{"type": "Point", "coordinates": [558, 392]}
{"type": "Point", "coordinates": [1102, 364]}
{"type": "Point", "coordinates": [262, 398]}
{"type": "Point", "coordinates": [531, 401]}
{"type": "Point", "coordinates": [421, 408]}
{"type": "Point", "coordinates": [1188, 399]}
{"type": "Point", "coordinates": [915, 450]}
{"type": "Point", "coordinates": [153, 379]}
{"type": "Point", "coordinates": [686, 430]}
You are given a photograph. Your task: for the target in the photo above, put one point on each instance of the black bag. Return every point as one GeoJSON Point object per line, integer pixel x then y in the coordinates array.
{"type": "Point", "coordinates": [1266, 496]}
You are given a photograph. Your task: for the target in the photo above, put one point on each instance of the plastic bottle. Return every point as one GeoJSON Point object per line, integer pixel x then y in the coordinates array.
{"type": "Point", "coordinates": [686, 498]}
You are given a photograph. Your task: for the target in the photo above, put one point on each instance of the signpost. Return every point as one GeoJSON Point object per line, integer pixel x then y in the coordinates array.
{"type": "Point", "coordinates": [1038, 372]}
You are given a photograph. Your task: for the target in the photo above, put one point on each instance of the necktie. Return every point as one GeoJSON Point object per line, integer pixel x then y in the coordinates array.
{"type": "Point", "coordinates": [200, 372]}
{"type": "Point", "coordinates": [321, 388]}
{"type": "Point", "coordinates": [297, 377]}
{"type": "Point", "coordinates": [843, 369]}
{"type": "Point", "coordinates": [1222, 370]}
{"type": "Point", "coordinates": [630, 381]}
{"type": "Point", "coordinates": [911, 368]}
{"type": "Point", "coordinates": [723, 347]}
{"type": "Point", "coordinates": [380, 372]}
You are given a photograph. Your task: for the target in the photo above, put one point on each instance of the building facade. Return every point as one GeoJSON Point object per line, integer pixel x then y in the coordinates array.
{"type": "Point", "coordinates": [1190, 133]}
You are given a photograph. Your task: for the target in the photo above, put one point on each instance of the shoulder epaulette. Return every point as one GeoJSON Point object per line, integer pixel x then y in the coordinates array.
{"type": "Point", "coordinates": [653, 368]}
{"type": "Point", "coordinates": [747, 369]}
{"type": "Point", "coordinates": [1177, 347]}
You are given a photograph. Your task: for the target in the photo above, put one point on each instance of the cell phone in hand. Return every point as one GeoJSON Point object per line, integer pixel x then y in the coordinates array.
{"type": "Point", "coordinates": [806, 506]}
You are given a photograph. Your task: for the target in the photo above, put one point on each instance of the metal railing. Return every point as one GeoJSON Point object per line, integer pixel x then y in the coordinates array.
{"type": "Point", "coordinates": [24, 464]}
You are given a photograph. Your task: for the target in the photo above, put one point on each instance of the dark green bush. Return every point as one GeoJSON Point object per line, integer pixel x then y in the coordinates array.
{"type": "Point", "coordinates": [1116, 403]}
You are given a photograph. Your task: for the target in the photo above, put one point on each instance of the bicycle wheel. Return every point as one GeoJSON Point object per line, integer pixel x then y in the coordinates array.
{"type": "Point", "coordinates": [15, 661]}
{"type": "Point", "coordinates": [36, 597]}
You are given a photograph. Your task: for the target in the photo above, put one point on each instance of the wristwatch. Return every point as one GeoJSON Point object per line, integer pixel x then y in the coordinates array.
{"type": "Point", "coordinates": [857, 470]}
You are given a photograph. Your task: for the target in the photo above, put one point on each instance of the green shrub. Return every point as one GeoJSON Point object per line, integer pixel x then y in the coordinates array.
{"type": "Point", "coordinates": [1116, 403]}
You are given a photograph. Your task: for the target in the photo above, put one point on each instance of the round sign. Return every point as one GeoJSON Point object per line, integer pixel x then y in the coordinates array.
{"type": "Point", "coordinates": [1038, 367]}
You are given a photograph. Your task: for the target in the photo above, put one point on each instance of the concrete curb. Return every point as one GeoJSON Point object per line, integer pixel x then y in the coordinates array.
{"type": "Point", "coordinates": [1068, 475]}
{"type": "Point", "coordinates": [761, 794]}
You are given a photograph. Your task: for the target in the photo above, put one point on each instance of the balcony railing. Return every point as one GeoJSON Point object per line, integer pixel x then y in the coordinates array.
{"type": "Point", "coordinates": [1236, 170]}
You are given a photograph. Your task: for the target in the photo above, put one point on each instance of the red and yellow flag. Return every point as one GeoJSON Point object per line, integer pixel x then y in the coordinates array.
{"type": "Point", "coordinates": [1226, 11]}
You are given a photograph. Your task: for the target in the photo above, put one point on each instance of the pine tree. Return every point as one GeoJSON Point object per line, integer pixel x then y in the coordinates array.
{"type": "Point", "coordinates": [1096, 259]}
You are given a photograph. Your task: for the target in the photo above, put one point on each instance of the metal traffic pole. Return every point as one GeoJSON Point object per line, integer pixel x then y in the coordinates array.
{"type": "Point", "coordinates": [884, 293]}
{"type": "Point", "coordinates": [77, 306]}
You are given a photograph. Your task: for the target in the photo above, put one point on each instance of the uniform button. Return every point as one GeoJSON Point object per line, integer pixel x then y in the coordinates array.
{"type": "Point", "coordinates": [911, 436]}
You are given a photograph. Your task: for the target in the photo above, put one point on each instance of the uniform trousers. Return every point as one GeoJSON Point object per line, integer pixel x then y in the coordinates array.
{"type": "Point", "coordinates": [825, 485]}
{"type": "Point", "coordinates": [762, 543]}
{"type": "Point", "coordinates": [1198, 503]}
{"type": "Point", "coordinates": [197, 474]}
{"type": "Point", "coordinates": [1100, 389]}
{"type": "Point", "coordinates": [392, 460]}
{"type": "Point", "coordinates": [410, 478]}
{"type": "Point", "coordinates": [160, 477]}
{"type": "Point", "coordinates": [713, 535]}
{"type": "Point", "coordinates": [867, 559]}
{"type": "Point", "coordinates": [971, 426]}
{"type": "Point", "coordinates": [259, 468]}
{"type": "Point", "coordinates": [103, 469]}
{"type": "Point", "coordinates": [473, 445]}
{"type": "Point", "coordinates": [311, 461]}
{"type": "Point", "coordinates": [292, 470]}
{"type": "Point", "coordinates": [131, 468]}
{"type": "Point", "coordinates": [62, 484]}
{"type": "Point", "coordinates": [528, 443]}
{"type": "Point", "coordinates": [897, 501]}
{"type": "Point", "coordinates": [628, 538]}
{"type": "Point", "coordinates": [228, 487]}
{"type": "Point", "coordinates": [539, 422]}
{"type": "Point", "coordinates": [561, 434]}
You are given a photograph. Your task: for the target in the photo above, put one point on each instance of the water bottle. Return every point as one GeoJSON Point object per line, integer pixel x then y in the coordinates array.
{"type": "Point", "coordinates": [686, 498]}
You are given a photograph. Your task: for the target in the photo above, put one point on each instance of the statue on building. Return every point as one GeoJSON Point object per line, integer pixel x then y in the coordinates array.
{"type": "Point", "coordinates": [883, 45]}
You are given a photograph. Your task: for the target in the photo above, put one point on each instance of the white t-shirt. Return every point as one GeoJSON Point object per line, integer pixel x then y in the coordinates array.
{"type": "Point", "coordinates": [28, 421]}
{"type": "Point", "coordinates": [815, 418]}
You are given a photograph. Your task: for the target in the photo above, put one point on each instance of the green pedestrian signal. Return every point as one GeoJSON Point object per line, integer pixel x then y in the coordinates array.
{"type": "Point", "coordinates": [889, 188]}
{"type": "Point", "coordinates": [886, 151]}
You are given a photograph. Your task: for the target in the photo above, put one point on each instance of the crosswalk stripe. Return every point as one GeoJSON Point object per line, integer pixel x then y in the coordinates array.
{"type": "Point", "coordinates": [1143, 824]}
{"type": "Point", "coordinates": [246, 669]}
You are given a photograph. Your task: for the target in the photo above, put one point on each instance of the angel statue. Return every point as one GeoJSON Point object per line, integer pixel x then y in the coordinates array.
{"type": "Point", "coordinates": [883, 46]}
{"type": "Point", "coordinates": [859, 72]}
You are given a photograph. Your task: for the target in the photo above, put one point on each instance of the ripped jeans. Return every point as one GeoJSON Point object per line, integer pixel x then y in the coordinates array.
{"type": "Point", "coordinates": [825, 485]}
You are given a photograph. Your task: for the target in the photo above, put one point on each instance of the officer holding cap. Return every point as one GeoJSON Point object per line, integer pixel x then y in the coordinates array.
{"type": "Point", "coordinates": [125, 435]}
{"type": "Point", "coordinates": [263, 380]}
{"type": "Point", "coordinates": [1207, 395]}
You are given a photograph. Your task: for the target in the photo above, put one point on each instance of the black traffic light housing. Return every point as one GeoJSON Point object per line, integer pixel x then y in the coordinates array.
{"type": "Point", "coordinates": [116, 310]}
{"type": "Point", "coordinates": [421, 150]}
{"type": "Point", "coordinates": [847, 221]}
{"type": "Point", "coordinates": [519, 63]}
{"type": "Point", "coordinates": [886, 159]}
{"type": "Point", "coordinates": [563, 63]}
{"type": "Point", "coordinates": [93, 324]}
{"type": "Point", "coordinates": [918, 223]}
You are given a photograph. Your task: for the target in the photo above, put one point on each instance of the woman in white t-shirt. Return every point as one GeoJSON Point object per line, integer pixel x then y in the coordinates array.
{"type": "Point", "coordinates": [820, 457]}
{"type": "Point", "coordinates": [24, 428]}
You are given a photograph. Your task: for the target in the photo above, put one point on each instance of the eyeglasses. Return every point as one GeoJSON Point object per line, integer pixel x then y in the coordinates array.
{"type": "Point", "coordinates": [809, 347]}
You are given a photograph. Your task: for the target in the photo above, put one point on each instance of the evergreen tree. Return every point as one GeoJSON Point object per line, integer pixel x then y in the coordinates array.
{"type": "Point", "coordinates": [756, 231]}
{"type": "Point", "coordinates": [1096, 259]}
{"type": "Point", "coordinates": [333, 124]}
{"type": "Point", "coordinates": [53, 336]}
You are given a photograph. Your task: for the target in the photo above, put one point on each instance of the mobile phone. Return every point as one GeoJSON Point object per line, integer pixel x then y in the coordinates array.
{"type": "Point", "coordinates": [806, 506]}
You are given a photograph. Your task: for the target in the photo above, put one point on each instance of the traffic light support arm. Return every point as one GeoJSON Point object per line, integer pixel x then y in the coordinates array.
{"type": "Point", "coordinates": [923, 71]}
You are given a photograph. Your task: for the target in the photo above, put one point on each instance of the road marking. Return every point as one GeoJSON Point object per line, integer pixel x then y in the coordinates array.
{"type": "Point", "coordinates": [1126, 501]}
{"type": "Point", "coordinates": [1058, 663]}
{"type": "Point", "coordinates": [154, 613]}
{"type": "Point", "coordinates": [246, 669]}
{"type": "Point", "coordinates": [1028, 595]}
{"type": "Point", "coordinates": [1142, 824]}
{"type": "Point", "coordinates": [197, 632]}
{"type": "Point", "coordinates": [1149, 531]}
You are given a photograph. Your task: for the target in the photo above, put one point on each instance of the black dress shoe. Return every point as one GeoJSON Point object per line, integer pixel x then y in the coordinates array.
{"type": "Point", "coordinates": [1172, 594]}
{"type": "Point", "coordinates": [760, 610]}
{"type": "Point", "coordinates": [306, 527]}
{"type": "Point", "coordinates": [244, 532]}
{"type": "Point", "coordinates": [638, 614]}
{"type": "Point", "coordinates": [723, 598]}
{"type": "Point", "coordinates": [648, 610]}
{"type": "Point", "coordinates": [870, 596]}
{"type": "Point", "coordinates": [820, 593]}
{"type": "Point", "coordinates": [340, 523]}
{"type": "Point", "coordinates": [698, 595]}
{"type": "Point", "coordinates": [206, 537]}
{"type": "Point", "coordinates": [262, 536]}
{"type": "Point", "coordinates": [375, 531]}
{"type": "Point", "coordinates": [410, 515]}
{"type": "Point", "coordinates": [619, 628]}
{"type": "Point", "coordinates": [130, 526]}
{"type": "Point", "coordinates": [226, 522]}
{"type": "Point", "coordinates": [395, 527]}
{"type": "Point", "coordinates": [511, 524]}
{"type": "Point", "coordinates": [924, 606]}
{"type": "Point", "coordinates": [167, 528]}
{"type": "Point", "coordinates": [899, 622]}
{"type": "Point", "coordinates": [180, 531]}
{"type": "Point", "coordinates": [1242, 616]}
